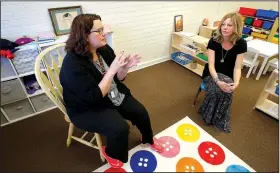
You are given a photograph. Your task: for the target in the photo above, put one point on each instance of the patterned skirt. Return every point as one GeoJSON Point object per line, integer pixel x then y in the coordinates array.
{"type": "Point", "coordinates": [215, 108]}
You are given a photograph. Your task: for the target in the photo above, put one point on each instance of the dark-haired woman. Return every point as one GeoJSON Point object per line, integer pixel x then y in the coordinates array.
{"type": "Point", "coordinates": [96, 100]}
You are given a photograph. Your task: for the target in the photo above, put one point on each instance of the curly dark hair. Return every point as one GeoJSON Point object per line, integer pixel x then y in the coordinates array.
{"type": "Point", "coordinates": [80, 29]}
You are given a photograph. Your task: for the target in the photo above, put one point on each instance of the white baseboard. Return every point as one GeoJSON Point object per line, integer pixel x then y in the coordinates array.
{"type": "Point", "coordinates": [150, 63]}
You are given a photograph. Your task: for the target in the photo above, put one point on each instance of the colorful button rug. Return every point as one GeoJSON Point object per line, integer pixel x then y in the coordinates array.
{"type": "Point", "coordinates": [187, 148]}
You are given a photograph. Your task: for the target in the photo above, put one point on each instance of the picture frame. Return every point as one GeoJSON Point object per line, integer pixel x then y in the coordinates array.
{"type": "Point", "coordinates": [178, 21]}
{"type": "Point", "coordinates": [62, 18]}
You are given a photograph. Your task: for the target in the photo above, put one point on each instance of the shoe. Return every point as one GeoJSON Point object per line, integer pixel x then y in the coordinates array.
{"type": "Point", "coordinates": [156, 146]}
{"type": "Point", "coordinates": [113, 162]}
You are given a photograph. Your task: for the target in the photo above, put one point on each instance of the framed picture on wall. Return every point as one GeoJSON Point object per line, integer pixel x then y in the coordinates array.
{"type": "Point", "coordinates": [178, 20]}
{"type": "Point", "coordinates": [62, 18]}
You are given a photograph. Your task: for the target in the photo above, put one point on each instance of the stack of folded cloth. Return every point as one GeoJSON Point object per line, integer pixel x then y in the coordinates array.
{"type": "Point", "coordinates": [46, 37]}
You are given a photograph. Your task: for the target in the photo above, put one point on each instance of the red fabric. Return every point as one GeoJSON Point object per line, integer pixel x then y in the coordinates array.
{"type": "Point", "coordinates": [7, 54]}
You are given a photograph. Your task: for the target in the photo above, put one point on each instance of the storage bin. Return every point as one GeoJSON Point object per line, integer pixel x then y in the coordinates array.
{"type": "Point", "coordinates": [42, 102]}
{"type": "Point", "coordinates": [11, 91]}
{"type": "Point", "coordinates": [249, 21]}
{"type": "Point", "coordinates": [6, 68]}
{"type": "Point", "coordinates": [257, 23]}
{"type": "Point", "coordinates": [267, 25]}
{"type": "Point", "coordinates": [267, 14]}
{"type": "Point", "coordinates": [245, 36]}
{"type": "Point", "coordinates": [181, 58]}
{"type": "Point", "coordinates": [246, 30]}
{"type": "Point", "coordinates": [18, 109]}
{"type": "Point", "coordinates": [275, 40]}
{"type": "Point", "coordinates": [247, 11]}
{"type": "Point", "coordinates": [255, 34]}
{"type": "Point", "coordinates": [24, 59]}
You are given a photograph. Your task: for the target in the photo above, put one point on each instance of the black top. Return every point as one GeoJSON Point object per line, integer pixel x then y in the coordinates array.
{"type": "Point", "coordinates": [227, 67]}
{"type": "Point", "coordinates": [80, 78]}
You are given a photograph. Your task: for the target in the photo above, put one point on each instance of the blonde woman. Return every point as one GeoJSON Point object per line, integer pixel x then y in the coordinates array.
{"type": "Point", "coordinates": [223, 71]}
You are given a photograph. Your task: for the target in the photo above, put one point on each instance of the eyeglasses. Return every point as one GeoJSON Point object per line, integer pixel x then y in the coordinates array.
{"type": "Point", "coordinates": [99, 31]}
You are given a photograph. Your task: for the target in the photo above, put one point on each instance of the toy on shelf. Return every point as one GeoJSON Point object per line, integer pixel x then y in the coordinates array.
{"type": "Point", "coordinates": [202, 56]}
{"type": "Point", "coordinates": [277, 89]}
{"type": "Point", "coordinates": [190, 48]}
{"type": "Point", "coordinates": [205, 22]}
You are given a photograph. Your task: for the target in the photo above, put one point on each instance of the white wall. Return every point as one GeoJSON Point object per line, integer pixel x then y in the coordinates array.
{"type": "Point", "coordinates": [139, 26]}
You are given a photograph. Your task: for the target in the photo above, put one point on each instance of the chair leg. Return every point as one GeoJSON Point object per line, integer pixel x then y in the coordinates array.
{"type": "Point", "coordinates": [70, 133]}
{"type": "Point", "coordinates": [199, 90]}
{"type": "Point", "coordinates": [255, 68]}
{"type": "Point", "coordinates": [249, 71]}
{"type": "Point", "coordinates": [99, 144]}
{"type": "Point", "coordinates": [266, 68]}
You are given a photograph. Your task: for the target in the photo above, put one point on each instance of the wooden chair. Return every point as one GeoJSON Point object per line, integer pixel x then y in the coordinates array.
{"type": "Point", "coordinates": [202, 87]}
{"type": "Point", "coordinates": [272, 63]}
{"type": "Point", "coordinates": [250, 60]}
{"type": "Point", "coordinates": [47, 68]}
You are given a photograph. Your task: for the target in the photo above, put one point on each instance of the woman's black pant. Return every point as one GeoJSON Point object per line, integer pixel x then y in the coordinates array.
{"type": "Point", "coordinates": [112, 123]}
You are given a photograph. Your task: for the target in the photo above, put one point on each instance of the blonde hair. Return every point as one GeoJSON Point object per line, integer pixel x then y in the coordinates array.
{"type": "Point", "coordinates": [237, 32]}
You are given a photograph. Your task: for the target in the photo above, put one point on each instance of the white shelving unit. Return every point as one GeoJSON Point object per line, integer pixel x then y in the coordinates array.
{"type": "Point", "coordinates": [16, 103]}
{"type": "Point", "coordinates": [263, 103]}
{"type": "Point", "coordinates": [179, 38]}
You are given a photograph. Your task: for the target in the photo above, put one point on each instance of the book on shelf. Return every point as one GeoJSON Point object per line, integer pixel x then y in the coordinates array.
{"type": "Point", "coordinates": [46, 37]}
{"type": "Point", "coordinates": [45, 41]}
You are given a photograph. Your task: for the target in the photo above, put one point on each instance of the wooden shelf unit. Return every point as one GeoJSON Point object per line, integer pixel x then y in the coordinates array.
{"type": "Point", "coordinates": [201, 42]}
{"type": "Point", "coordinates": [272, 31]}
{"type": "Point", "coordinates": [263, 103]}
{"type": "Point", "coordinates": [207, 31]}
